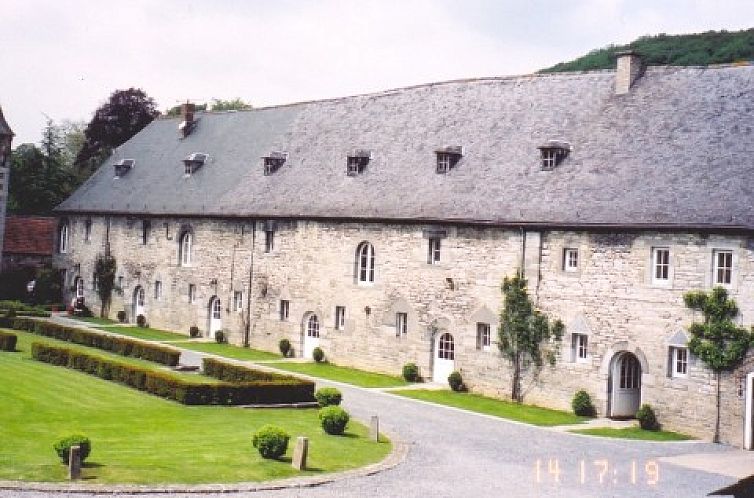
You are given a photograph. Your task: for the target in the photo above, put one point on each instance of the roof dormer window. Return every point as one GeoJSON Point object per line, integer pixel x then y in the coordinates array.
{"type": "Point", "coordinates": [553, 153]}
{"type": "Point", "coordinates": [193, 162]}
{"type": "Point", "coordinates": [273, 162]}
{"type": "Point", "coordinates": [448, 157]}
{"type": "Point", "coordinates": [122, 167]}
{"type": "Point", "coordinates": [357, 162]}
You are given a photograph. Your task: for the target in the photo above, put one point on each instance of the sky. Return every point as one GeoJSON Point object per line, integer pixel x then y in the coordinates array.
{"type": "Point", "coordinates": [63, 59]}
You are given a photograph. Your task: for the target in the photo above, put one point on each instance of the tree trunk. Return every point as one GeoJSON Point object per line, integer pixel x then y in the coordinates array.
{"type": "Point", "coordinates": [516, 390]}
{"type": "Point", "coordinates": [716, 437]}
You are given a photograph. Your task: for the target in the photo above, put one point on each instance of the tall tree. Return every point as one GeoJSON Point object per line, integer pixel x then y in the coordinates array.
{"type": "Point", "coordinates": [235, 104]}
{"type": "Point", "coordinates": [525, 332]}
{"type": "Point", "coordinates": [124, 114]}
{"type": "Point", "coordinates": [717, 341]}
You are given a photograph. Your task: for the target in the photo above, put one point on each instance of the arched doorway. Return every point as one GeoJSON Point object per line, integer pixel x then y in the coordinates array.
{"type": "Point", "coordinates": [625, 385]}
{"type": "Point", "coordinates": [215, 317]}
{"type": "Point", "coordinates": [445, 355]}
{"type": "Point", "coordinates": [139, 302]}
{"type": "Point", "coordinates": [311, 334]}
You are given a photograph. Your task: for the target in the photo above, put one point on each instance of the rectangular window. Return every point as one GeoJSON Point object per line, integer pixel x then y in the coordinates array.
{"type": "Point", "coordinates": [87, 230]}
{"type": "Point", "coordinates": [723, 267]}
{"type": "Point", "coordinates": [433, 257]}
{"type": "Point", "coordinates": [570, 259]}
{"type": "Point", "coordinates": [269, 240]}
{"type": "Point", "coordinates": [237, 301]}
{"type": "Point", "coordinates": [660, 264]}
{"type": "Point", "coordinates": [443, 162]}
{"type": "Point", "coordinates": [158, 290]}
{"type": "Point", "coordinates": [120, 284]}
{"type": "Point", "coordinates": [679, 361]}
{"type": "Point", "coordinates": [401, 324]}
{"type": "Point", "coordinates": [580, 346]}
{"type": "Point", "coordinates": [284, 310]}
{"type": "Point", "coordinates": [145, 226]}
{"type": "Point", "coordinates": [340, 317]}
{"type": "Point", "coordinates": [353, 166]}
{"type": "Point", "coordinates": [192, 293]}
{"type": "Point", "coordinates": [95, 283]}
{"type": "Point", "coordinates": [483, 339]}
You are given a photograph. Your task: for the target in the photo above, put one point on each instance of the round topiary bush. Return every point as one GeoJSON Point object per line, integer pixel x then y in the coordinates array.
{"type": "Point", "coordinates": [63, 447]}
{"type": "Point", "coordinates": [328, 396]}
{"type": "Point", "coordinates": [121, 315]}
{"type": "Point", "coordinates": [411, 372]}
{"type": "Point", "coordinates": [582, 404]}
{"type": "Point", "coordinates": [193, 331]}
{"type": "Point", "coordinates": [318, 355]}
{"type": "Point", "coordinates": [456, 381]}
{"type": "Point", "coordinates": [271, 441]}
{"type": "Point", "coordinates": [141, 321]}
{"type": "Point", "coordinates": [285, 347]}
{"type": "Point", "coordinates": [647, 418]}
{"type": "Point", "coordinates": [334, 419]}
{"type": "Point", "coordinates": [220, 337]}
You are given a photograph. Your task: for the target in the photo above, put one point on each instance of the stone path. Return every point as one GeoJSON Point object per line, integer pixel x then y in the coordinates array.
{"type": "Point", "coordinates": [457, 453]}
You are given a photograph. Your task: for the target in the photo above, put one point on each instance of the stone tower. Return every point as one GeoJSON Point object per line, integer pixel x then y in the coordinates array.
{"type": "Point", "coordinates": [6, 137]}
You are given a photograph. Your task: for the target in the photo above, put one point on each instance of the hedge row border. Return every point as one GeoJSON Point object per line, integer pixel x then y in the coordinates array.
{"type": "Point", "coordinates": [7, 341]}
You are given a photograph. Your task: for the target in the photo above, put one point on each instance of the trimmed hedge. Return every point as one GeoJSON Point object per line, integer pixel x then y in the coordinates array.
{"type": "Point", "coordinates": [7, 341]}
{"type": "Point", "coordinates": [118, 345]}
{"type": "Point", "coordinates": [169, 386]}
{"type": "Point", "coordinates": [286, 388]}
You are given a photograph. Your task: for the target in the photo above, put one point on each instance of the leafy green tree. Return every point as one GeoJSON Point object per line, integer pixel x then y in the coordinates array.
{"type": "Point", "coordinates": [230, 105]}
{"type": "Point", "coordinates": [525, 332]}
{"type": "Point", "coordinates": [125, 114]}
{"type": "Point", "coordinates": [717, 341]}
{"type": "Point", "coordinates": [175, 111]}
{"type": "Point", "coordinates": [104, 274]}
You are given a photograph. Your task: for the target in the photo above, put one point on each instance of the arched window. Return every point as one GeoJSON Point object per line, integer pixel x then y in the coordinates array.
{"type": "Point", "coordinates": [365, 263]}
{"type": "Point", "coordinates": [63, 239]}
{"type": "Point", "coordinates": [446, 347]}
{"type": "Point", "coordinates": [312, 326]}
{"type": "Point", "coordinates": [184, 251]}
{"type": "Point", "coordinates": [79, 287]}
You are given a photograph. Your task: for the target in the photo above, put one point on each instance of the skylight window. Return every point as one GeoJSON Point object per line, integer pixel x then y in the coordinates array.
{"type": "Point", "coordinates": [553, 153]}
{"type": "Point", "coordinates": [123, 166]}
{"type": "Point", "coordinates": [273, 162]}
{"type": "Point", "coordinates": [448, 157]}
{"type": "Point", "coordinates": [357, 162]}
{"type": "Point", "coordinates": [193, 162]}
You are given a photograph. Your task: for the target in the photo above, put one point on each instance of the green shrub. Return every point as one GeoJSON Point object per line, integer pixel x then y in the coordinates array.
{"type": "Point", "coordinates": [456, 381]}
{"type": "Point", "coordinates": [285, 347]}
{"type": "Point", "coordinates": [333, 419]}
{"type": "Point", "coordinates": [328, 396]}
{"type": "Point", "coordinates": [271, 441]}
{"type": "Point", "coordinates": [220, 337]}
{"type": "Point", "coordinates": [318, 355]}
{"type": "Point", "coordinates": [582, 404]}
{"type": "Point", "coordinates": [411, 372]}
{"type": "Point", "coordinates": [121, 315]}
{"type": "Point", "coordinates": [63, 447]}
{"type": "Point", "coordinates": [193, 331]}
{"type": "Point", "coordinates": [7, 341]}
{"type": "Point", "coordinates": [141, 321]}
{"type": "Point", "coordinates": [647, 418]}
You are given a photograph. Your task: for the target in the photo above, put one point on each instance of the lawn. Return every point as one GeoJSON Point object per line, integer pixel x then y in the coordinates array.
{"type": "Point", "coordinates": [94, 320]}
{"type": "Point", "coordinates": [342, 374]}
{"type": "Point", "coordinates": [228, 350]}
{"type": "Point", "coordinates": [529, 414]}
{"type": "Point", "coordinates": [138, 438]}
{"type": "Point", "coordinates": [635, 433]}
{"type": "Point", "coordinates": [147, 333]}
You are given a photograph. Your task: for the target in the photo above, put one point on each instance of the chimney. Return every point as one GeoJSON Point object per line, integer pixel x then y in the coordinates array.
{"type": "Point", "coordinates": [629, 69]}
{"type": "Point", "coordinates": [187, 124]}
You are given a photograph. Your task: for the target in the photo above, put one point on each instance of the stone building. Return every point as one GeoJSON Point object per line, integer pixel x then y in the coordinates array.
{"type": "Point", "coordinates": [6, 139]}
{"type": "Point", "coordinates": [379, 227]}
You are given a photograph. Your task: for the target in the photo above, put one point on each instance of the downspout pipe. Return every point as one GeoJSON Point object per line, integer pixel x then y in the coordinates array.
{"type": "Point", "coordinates": [249, 299]}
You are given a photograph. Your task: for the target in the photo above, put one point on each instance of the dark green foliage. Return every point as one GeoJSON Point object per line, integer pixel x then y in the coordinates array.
{"type": "Point", "coordinates": [7, 341]}
{"type": "Point", "coordinates": [48, 287]}
{"type": "Point", "coordinates": [647, 419]}
{"type": "Point", "coordinates": [328, 396]}
{"type": "Point", "coordinates": [121, 315]}
{"type": "Point", "coordinates": [582, 404]}
{"type": "Point", "coordinates": [235, 104]}
{"type": "Point", "coordinates": [104, 273]}
{"type": "Point", "coordinates": [17, 308]}
{"type": "Point", "coordinates": [63, 447]}
{"type": "Point", "coordinates": [525, 332]}
{"type": "Point", "coordinates": [220, 337]}
{"type": "Point", "coordinates": [118, 345]}
{"type": "Point", "coordinates": [141, 321]}
{"type": "Point", "coordinates": [13, 284]}
{"type": "Point", "coordinates": [285, 347]}
{"type": "Point", "coordinates": [456, 381]}
{"type": "Point", "coordinates": [318, 355]}
{"type": "Point", "coordinates": [193, 331]}
{"type": "Point", "coordinates": [411, 372]}
{"type": "Point", "coordinates": [334, 419]}
{"type": "Point", "coordinates": [271, 441]}
{"type": "Point", "coordinates": [699, 49]}
{"type": "Point", "coordinates": [175, 111]}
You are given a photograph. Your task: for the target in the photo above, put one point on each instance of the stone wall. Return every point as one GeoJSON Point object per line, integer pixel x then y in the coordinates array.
{"type": "Point", "coordinates": [611, 298]}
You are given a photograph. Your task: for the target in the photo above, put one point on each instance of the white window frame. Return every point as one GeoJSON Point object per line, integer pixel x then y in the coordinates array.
{"type": "Point", "coordinates": [340, 317]}
{"type": "Point", "coordinates": [717, 268]}
{"type": "Point", "coordinates": [353, 166]}
{"type": "Point", "coordinates": [192, 293]}
{"type": "Point", "coordinates": [158, 290]}
{"type": "Point", "coordinates": [401, 324]}
{"type": "Point", "coordinates": [661, 265]}
{"type": "Point", "coordinates": [185, 248]}
{"type": "Point", "coordinates": [63, 239]}
{"type": "Point", "coordinates": [483, 336]}
{"type": "Point", "coordinates": [285, 310]}
{"type": "Point", "coordinates": [580, 347]}
{"type": "Point", "coordinates": [444, 161]}
{"type": "Point", "coordinates": [79, 287]}
{"type": "Point", "coordinates": [570, 259]}
{"type": "Point", "coordinates": [365, 264]}
{"type": "Point", "coordinates": [679, 357]}
{"type": "Point", "coordinates": [237, 300]}
{"type": "Point", "coordinates": [88, 230]}
{"type": "Point", "coordinates": [269, 240]}
{"type": "Point", "coordinates": [434, 246]}
{"type": "Point", "coordinates": [549, 158]}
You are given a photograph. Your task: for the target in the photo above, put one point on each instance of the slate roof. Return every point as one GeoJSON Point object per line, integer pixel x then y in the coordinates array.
{"type": "Point", "coordinates": [676, 151]}
{"type": "Point", "coordinates": [32, 235]}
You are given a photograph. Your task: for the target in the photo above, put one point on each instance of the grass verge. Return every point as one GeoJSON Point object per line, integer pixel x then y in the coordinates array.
{"type": "Point", "coordinates": [228, 351]}
{"type": "Point", "coordinates": [147, 333]}
{"type": "Point", "coordinates": [348, 375]}
{"type": "Point", "coordinates": [529, 414]}
{"type": "Point", "coordinates": [634, 433]}
{"type": "Point", "coordinates": [95, 320]}
{"type": "Point", "coordinates": [138, 438]}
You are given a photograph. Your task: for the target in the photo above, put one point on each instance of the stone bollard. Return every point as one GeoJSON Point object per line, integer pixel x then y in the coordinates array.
{"type": "Point", "coordinates": [300, 452]}
{"type": "Point", "coordinates": [374, 428]}
{"type": "Point", "coordinates": [74, 463]}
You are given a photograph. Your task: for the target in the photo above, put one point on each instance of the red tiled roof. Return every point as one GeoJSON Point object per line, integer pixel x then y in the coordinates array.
{"type": "Point", "coordinates": [29, 235]}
